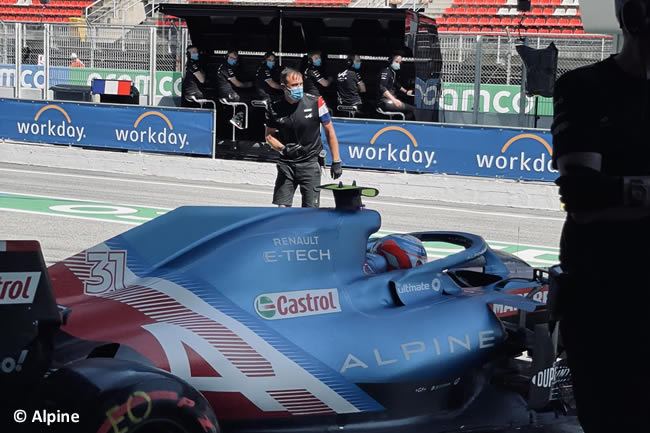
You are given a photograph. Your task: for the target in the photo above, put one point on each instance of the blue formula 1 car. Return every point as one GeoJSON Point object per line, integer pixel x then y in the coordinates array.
{"type": "Point", "coordinates": [269, 319]}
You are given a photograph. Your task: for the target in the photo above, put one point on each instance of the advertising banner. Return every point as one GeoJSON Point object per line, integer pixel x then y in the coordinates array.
{"type": "Point", "coordinates": [449, 149]}
{"type": "Point", "coordinates": [132, 127]}
{"type": "Point", "coordinates": [32, 76]}
{"type": "Point", "coordinates": [494, 98]}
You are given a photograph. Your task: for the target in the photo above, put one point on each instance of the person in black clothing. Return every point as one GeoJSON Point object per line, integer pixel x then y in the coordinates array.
{"type": "Point", "coordinates": [601, 149]}
{"type": "Point", "coordinates": [193, 80]}
{"type": "Point", "coordinates": [228, 84]}
{"type": "Point", "coordinates": [266, 79]}
{"type": "Point", "coordinates": [315, 80]}
{"type": "Point", "coordinates": [389, 86]}
{"type": "Point", "coordinates": [349, 83]}
{"type": "Point", "coordinates": [293, 129]}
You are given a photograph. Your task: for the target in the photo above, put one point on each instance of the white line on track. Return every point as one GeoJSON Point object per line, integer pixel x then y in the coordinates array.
{"type": "Point", "coordinates": [257, 191]}
{"type": "Point", "coordinates": [131, 223]}
{"type": "Point", "coordinates": [56, 197]}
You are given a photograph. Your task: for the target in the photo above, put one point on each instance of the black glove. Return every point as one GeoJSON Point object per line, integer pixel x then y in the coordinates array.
{"type": "Point", "coordinates": [335, 170]}
{"type": "Point", "coordinates": [293, 151]}
{"type": "Point", "coordinates": [585, 189]}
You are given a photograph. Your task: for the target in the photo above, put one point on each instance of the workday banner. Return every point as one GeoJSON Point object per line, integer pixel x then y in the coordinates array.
{"type": "Point", "coordinates": [449, 149]}
{"type": "Point", "coordinates": [112, 126]}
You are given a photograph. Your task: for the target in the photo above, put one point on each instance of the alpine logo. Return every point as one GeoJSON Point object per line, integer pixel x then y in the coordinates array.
{"type": "Point", "coordinates": [287, 305]}
{"type": "Point", "coordinates": [18, 287]}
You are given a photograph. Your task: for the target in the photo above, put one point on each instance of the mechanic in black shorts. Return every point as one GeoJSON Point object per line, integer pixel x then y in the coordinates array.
{"type": "Point", "coordinates": [293, 128]}
{"type": "Point", "coordinates": [601, 147]}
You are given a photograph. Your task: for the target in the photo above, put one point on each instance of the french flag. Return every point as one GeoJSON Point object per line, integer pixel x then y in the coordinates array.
{"type": "Point", "coordinates": [111, 87]}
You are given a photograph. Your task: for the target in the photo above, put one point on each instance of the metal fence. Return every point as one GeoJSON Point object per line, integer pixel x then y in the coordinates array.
{"type": "Point", "coordinates": [492, 65]}
{"type": "Point", "coordinates": [152, 57]}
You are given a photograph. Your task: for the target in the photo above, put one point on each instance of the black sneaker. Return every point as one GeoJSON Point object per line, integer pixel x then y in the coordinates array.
{"type": "Point", "coordinates": [237, 121]}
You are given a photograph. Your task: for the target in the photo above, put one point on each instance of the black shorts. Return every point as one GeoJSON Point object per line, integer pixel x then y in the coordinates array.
{"type": "Point", "coordinates": [293, 174]}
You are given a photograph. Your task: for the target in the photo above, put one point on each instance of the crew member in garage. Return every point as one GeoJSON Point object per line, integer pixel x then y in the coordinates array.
{"type": "Point", "coordinates": [267, 82]}
{"type": "Point", "coordinates": [602, 151]}
{"type": "Point", "coordinates": [389, 86]}
{"type": "Point", "coordinates": [293, 129]}
{"type": "Point", "coordinates": [349, 83]}
{"type": "Point", "coordinates": [314, 78]}
{"type": "Point", "coordinates": [229, 85]}
{"type": "Point", "coordinates": [194, 79]}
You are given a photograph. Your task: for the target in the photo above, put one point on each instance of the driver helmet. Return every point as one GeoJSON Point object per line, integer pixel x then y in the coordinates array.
{"type": "Point", "coordinates": [400, 251]}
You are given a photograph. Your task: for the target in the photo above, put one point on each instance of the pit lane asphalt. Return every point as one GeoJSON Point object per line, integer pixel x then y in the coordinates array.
{"type": "Point", "coordinates": [62, 237]}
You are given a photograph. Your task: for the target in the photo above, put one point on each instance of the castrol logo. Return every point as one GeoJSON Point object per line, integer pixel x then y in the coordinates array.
{"type": "Point", "coordinates": [286, 305]}
{"type": "Point", "coordinates": [18, 287]}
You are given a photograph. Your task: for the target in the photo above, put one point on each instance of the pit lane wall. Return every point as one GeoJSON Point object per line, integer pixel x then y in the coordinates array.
{"type": "Point", "coordinates": [111, 126]}
{"type": "Point", "coordinates": [452, 163]}
{"type": "Point", "coordinates": [483, 151]}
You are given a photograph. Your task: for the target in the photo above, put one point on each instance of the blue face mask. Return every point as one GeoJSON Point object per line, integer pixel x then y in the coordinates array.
{"type": "Point", "coordinates": [318, 62]}
{"type": "Point", "coordinates": [395, 66]}
{"type": "Point", "coordinates": [232, 62]}
{"type": "Point", "coordinates": [195, 56]}
{"type": "Point", "coordinates": [356, 65]}
{"type": "Point", "coordinates": [296, 94]}
{"type": "Point", "coordinates": [270, 65]}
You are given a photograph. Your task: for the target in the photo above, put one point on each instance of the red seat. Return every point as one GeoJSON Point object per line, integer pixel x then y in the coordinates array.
{"type": "Point", "coordinates": [442, 29]}
{"type": "Point", "coordinates": [537, 11]}
{"type": "Point", "coordinates": [567, 31]}
{"type": "Point", "coordinates": [451, 20]}
{"type": "Point", "coordinates": [440, 21]}
{"type": "Point", "coordinates": [563, 22]}
{"type": "Point", "coordinates": [464, 29]}
{"type": "Point", "coordinates": [470, 11]}
{"type": "Point", "coordinates": [486, 30]}
{"type": "Point", "coordinates": [493, 11]}
{"type": "Point", "coordinates": [453, 29]}
{"type": "Point", "coordinates": [506, 21]}
{"type": "Point", "coordinates": [548, 11]}
{"type": "Point", "coordinates": [556, 31]}
{"type": "Point", "coordinates": [484, 21]}
{"type": "Point", "coordinates": [540, 22]}
{"type": "Point", "coordinates": [482, 11]}
{"type": "Point", "coordinates": [495, 21]}
{"type": "Point", "coordinates": [459, 11]}
{"type": "Point", "coordinates": [576, 22]}
{"type": "Point", "coordinates": [579, 32]}
{"type": "Point", "coordinates": [473, 20]}
{"type": "Point", "coordinates": [556, 2]}
{"type": "Point", "coordinates": [462, 20]}
{"type": "Point", "coordinates": [529, 22]}
{"type": "Point", "coordinates": [516, 21]}
{"type": "Point", "coordinates": [552, 22]}
{"type": "Point", "coordinates": [531, 31]}
{"type": "Point", "coordinates": [475, 29]}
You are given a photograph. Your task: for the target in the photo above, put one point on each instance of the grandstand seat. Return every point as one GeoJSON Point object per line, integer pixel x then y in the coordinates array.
{"type": "Point", "coordinates": [556, 31]}
{"type": "Point", "coordinates": [463, 29]}
{"type": "Point", "coordinates": [567, 31]}
{"type": "Point", "coordinates": [470, 11]}
{"type": "Point", "coordinates": [451, 20]}
{"type": "Point", "coordinates": [482, 11]}
{"type": "Point", "coordinates": [486, 30]}
{"type": "Point", "coordinates": [475, 29]}
{"type": "Point", "coordinates": [442, 29]}
{"type": "Point", "coordinates": [503, 11]}
{"type": "Point", "coordinates": [579, 32]}
{"type": "Point", "coordinates": [495, 21]}
{"type": "Point", "coordinates": [537, 11]}
{"type": "Point", "coordinates": [484, 21]}
{"type": "Point", "coordinates": [506, 21]}
{"type": "Point", "coordinates": [441, 21]}
{"type": "Point", "coordinates": [551, 22]}
{"type": "Point", "coordinates": [459, 11]}
{"type": "Point", "coordinates": [548, 11]}
{"type": "Point", "coordinates": [559, 11]}
{"type": "Point", "coordinates": [575, 22]}
{"type": "Point", "coordinates": [572, 11]}
{"type": "Point", "coordinates": [528, 22]}
{"type": "Point", "coordinates": [516, 21]}
{"type": "Point", "coordinates": [531, 31]}
{"type": "Point", "coordinates": [462, 21]}
{"type": "Point", "coordinates": [492, 11]}
{"type": "Point", "coordinates": [452, 29]}
{"type": "Point", "coordinates": [450, 11]}
{"type": "Point", "coordinates": [514, 11]}
{"type": "Point", "coordinates": [540, 22]}
{"type": "Point", "coordinates": [556, 2]}
{"type": "Point", "coordinates": [563, 22]}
